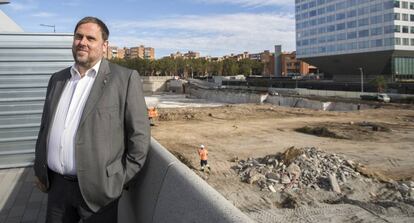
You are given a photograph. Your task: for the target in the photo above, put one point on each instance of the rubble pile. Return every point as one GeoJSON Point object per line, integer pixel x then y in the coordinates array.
{"type": "Point", "coordinates": [297, 169]}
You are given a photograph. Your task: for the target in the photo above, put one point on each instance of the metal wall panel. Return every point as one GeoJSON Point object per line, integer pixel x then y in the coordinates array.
{"type": "Point", "coordinates": [27, 60]}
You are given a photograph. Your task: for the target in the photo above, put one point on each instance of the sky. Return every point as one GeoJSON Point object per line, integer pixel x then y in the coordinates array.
{"type": "Point", "coordinates": [211, 27]}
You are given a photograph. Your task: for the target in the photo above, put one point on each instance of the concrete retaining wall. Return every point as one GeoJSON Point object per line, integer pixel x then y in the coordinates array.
{"type": "Point", "coordinates": [312, 104]}
{"type": "Point", "coordinates": [229, 96]}
{"type": "Point", "coordinates": [233, 97]}
{"type": "Point", "coordinates": [155, 83]}
{"type": "Point", "coordinates": [168, 191]}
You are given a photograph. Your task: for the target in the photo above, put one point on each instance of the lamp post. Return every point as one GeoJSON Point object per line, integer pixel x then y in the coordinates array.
{"type": "Point", "coordinates": [362, 79]}
{"type": "Point", "coordinates": [53, 26]}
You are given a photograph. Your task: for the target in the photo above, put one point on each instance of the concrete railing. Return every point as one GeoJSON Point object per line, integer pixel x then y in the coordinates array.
{"type": "Point", "coordinates": [168, 191]}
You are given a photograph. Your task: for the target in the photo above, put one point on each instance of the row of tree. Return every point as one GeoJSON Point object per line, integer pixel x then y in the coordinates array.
{"type": "Point", "coordinates": [192, 67]}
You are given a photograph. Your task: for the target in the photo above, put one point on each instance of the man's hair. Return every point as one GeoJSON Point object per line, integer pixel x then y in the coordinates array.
{"type": "Point", "coordinates": [89, 19]}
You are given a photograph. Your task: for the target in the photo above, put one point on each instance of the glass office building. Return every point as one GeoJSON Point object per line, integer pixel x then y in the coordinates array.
{"type": "Point", "coordinates": [341, 36]}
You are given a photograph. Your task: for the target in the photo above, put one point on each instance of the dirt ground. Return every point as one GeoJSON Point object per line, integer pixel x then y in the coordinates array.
{"type": "Point", "coordinates": [382, 139]}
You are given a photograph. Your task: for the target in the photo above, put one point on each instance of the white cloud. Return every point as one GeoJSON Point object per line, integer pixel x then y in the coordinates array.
{"type": "Point", "coordinates": [214, 35]}
{"type": "Point", "coordinates": [23, 5]}
{"type": "Point", "coordinates": [44, 14]}
{"type": "Point", "coordinates": [251, 3]}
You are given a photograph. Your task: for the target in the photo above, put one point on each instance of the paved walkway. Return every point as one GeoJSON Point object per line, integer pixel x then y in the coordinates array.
{"type": "Point", "coordinates": [20, 200]}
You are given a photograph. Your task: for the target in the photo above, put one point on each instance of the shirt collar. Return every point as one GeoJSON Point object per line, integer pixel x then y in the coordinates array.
{"type": "Point", "coordinates": [92, 72]}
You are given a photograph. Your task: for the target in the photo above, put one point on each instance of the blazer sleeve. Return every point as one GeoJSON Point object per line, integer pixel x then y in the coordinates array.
{"type": "Point", "coordinates": [137, 127]}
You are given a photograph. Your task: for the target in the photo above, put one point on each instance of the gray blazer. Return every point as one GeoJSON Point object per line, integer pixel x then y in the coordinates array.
{"type": "Point", "coordinates": [113, 136]}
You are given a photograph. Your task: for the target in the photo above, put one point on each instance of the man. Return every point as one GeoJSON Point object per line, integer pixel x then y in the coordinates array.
{"type": "Point", "coordinates": [203, 153]}
{"type": "Point", "coordinates": [94, 134]}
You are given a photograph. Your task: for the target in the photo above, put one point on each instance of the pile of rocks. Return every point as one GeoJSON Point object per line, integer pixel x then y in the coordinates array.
{"type": "Point", "coordinates": [297, 169]}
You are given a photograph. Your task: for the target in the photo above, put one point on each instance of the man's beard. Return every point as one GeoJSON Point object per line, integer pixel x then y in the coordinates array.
{"type": "Point", "coordinates": [84, 62]}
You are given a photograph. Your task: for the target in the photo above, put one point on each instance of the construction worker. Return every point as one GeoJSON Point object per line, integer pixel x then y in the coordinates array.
{"type": "Point", "coordinates": [203, 153]}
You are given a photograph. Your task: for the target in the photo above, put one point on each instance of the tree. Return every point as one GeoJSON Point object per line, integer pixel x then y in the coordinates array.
{"type": "Point", "coordinates": [380, 83]}
{"type": "Point", "coordinates": [230, 67]}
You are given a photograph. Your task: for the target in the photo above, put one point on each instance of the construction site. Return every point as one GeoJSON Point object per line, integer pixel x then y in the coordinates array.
{"type": "Point", "coordinates": [298, 161]}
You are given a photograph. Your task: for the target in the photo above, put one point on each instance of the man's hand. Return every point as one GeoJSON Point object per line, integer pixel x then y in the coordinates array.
{"type": "Point", "coordinates": [40, 185]}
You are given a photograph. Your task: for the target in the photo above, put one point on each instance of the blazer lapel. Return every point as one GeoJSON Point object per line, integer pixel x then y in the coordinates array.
{"type": "Point", "coordinates": [56, 92]}
{"type": "Point", "coordinates": [97, 89]}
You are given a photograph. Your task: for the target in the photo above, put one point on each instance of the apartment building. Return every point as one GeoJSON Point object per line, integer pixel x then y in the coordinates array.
{"type": "Point", "coordinates": [140, 52]}
{"type": "Point", "coordinates": [188, 55]}
{"type": "Point", "coordinates": [292, 66]}
{"type": "Point", "coordinates": [349, 38]}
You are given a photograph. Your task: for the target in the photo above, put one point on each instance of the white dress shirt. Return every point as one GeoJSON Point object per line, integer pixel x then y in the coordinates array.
{"type": "Point", "coordinates": [61, 142]}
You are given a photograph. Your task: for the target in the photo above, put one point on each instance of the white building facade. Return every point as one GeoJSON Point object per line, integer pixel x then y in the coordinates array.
{"type": "Point", "coordinates": [333, 33]}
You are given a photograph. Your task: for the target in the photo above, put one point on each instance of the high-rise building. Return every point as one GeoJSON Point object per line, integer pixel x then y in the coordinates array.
{"type": "Point", "coordinates": [349, 38]}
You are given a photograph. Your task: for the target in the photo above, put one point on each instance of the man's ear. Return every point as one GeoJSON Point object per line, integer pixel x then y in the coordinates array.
{"type": "Point", "coordinates": [105, 46]}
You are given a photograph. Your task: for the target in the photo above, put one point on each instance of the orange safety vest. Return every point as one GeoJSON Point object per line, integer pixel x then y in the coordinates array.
{"type": "Point", "coordinates": [203, 154]}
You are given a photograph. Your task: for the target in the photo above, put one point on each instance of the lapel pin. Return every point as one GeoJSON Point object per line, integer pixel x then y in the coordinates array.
{"type": "Point", "coordinates": [105, 81]}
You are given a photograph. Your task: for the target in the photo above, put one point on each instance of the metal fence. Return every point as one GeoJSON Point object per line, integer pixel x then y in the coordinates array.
{"type": "Point", "coordinates": [27, 61]}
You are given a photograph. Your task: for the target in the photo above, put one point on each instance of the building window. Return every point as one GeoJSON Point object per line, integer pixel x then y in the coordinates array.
{"type": "Point", "coordinates": [322, 39]}
{"type": "Point", "coordinates": [352, 46]}
{"type": "Point", "coordinates": [330, 18]}
{"type": "Point", "coordinates": [340, 5]}
{"type": "Point", "coordinates": [412, 5]}
{"type": "Point", "coordinates": [363, 44]}
{"type": "Point", "coordinates": [388, 5]}
{"type": "Point", "coordinates": [406, 41]}
{"type": "Point", "coordinates": [340, 26]}
{"type": "Point", "coordinates": [363, 11]}
{"type": "Point", "coordinates": [412, 18]}
{"type": "Point", "coordinates": [412, 42]}
{"type": "Point", "coordinates": [376, 43]}
{"type": "Point", "coordinates": [351, 13]}
{"type": "Point", "coordinates": [376, 31]}
{"type": "Point", "coordinates": [340, 16]}
{"type": "Point", "coordinates": [322, 30]}
{"type": "Point", "coordinates": [377, 8]}
{"type": "Point", "coordinates": [330, 38]}
{"type": "Point", "coordinates": [363, 22]}
{"type": "Point", "coordinates": [404, 5]}
{"type": "Point", "coordinates": [404, 17]}
{"type": "Point", "coordinates": [376, 19]}
{"type": "Point", "coordinates": [389, 29]}
{"type": "Point", "coordinates": [405, 29]}
{"type": "Point", "coordinates": [397, 29]}
{"type": "Point", "coordinates": [351, 35]}
{"type": "Point", "coordinates": [351, 24]}
{"type": "Point", "coordinates": [363, 33]}
{"type": "Point", "coordinates": [321, 11]}
{"type": "Point", "coordinates": [412, 29]}
{"type": "Point", "coordinates": [397, 16]}
{"type": "Point", "coordinates": [330, 28]}
{"type": "Point", "coordinates": [322, 20]}
{"type": "Point", "coordinates": [341, 36]}
{"type": "Point", "coordinates": [388, 17]}
{"type": "Point", "coordinates": [397, 41]}
{"type": "Point", "coordinates": [330, 8]}
{"type": "Point", "coordinates": [389, 41]}
{"type": "Point", "coordinates": [396, 4]}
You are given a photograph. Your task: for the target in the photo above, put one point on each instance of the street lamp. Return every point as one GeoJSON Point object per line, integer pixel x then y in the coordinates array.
{"type": "Point", "coordinates": [362, 79]}
{"type": "Point", "coordinates": [54, 27]}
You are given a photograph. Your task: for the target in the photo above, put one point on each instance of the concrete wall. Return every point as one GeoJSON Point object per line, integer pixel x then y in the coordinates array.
{"type": "Point", "coordinates": [231, 96]}
{"type": "Point", "coordinates": [155, 83]}
{"type": "Point", "coordinates": [168, 191]}
{"type": "Point", "coordinates": [227, 96]}
{"type": "Point", "coordinates": [313, 104]}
